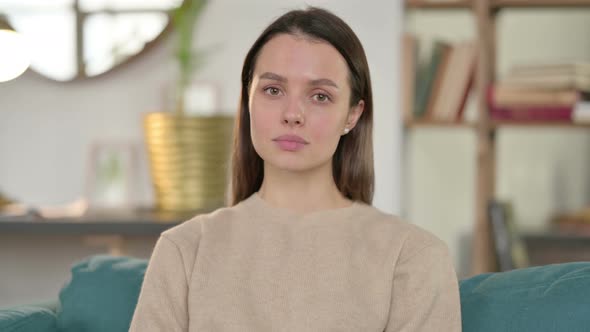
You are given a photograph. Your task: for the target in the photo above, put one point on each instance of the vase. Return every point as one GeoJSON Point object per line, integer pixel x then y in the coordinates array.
{"type": "Point", "coordinates": [189, 159]}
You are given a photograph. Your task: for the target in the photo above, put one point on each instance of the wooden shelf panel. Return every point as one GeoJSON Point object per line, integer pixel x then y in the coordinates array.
{"type": "Point", "coordinates": [498, 4]}
{"type": "Point", "coordinates": [438, 4]}
{"type": "Point", "coordinates": [66, 227]}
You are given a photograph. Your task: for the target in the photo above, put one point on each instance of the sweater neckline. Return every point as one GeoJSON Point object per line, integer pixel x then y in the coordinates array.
{"type": "Point", "coordinates": [262, 206]}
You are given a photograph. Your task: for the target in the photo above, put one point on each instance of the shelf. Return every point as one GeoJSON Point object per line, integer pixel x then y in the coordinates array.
{"type": "Point", "coordinates": [499, 4]}
{"type": "Point", "coordinates": [134, 222]}
{"type": "Point", "coordinates": [438, 4]}
{"type": "Point", "coordinates": [484, 13]}
{"type": "Point", "coordinates": [66, 227]}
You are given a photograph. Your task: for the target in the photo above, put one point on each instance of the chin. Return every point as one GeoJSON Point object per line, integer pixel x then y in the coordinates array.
{"type": "Point", "coordinates": [291, 161]}
{"type": "Point", "coordinates": [291, 167]}
{"type": "Point", "coordinates": [294, 163]}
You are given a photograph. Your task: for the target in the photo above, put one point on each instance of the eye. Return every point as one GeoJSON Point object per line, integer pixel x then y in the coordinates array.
{"type": "Point", "coordinates": [320, 97]}
{"type": "Point", "coordinates": [272, 91]}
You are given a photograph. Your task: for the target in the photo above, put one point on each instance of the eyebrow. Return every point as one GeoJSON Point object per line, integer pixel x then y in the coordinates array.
{"type": "Point", "coordinates": [273, 76]}
{"type": "Point", "coordinates": [279, 78]}
{"type": "Point", "coordinates": [324, 81]}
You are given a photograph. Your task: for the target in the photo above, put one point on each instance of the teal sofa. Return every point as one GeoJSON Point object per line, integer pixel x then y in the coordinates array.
{"type": "Point", "coordinates": [103, 291]}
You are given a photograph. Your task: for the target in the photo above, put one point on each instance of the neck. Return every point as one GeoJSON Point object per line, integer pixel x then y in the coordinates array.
{"type": "Point", "coordinates": [301, 192]}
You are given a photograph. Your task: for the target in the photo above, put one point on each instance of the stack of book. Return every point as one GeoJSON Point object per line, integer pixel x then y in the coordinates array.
{"type": "Point", "coordinates": [542, 93]}
{"type": "Point", "coordinates": [437, 89]}
{"type": "Point", "coordinates": [577, 223]}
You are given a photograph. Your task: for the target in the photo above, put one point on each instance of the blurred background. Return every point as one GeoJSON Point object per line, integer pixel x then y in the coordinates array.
{"type": "Point", "coordinates": [85, 152]}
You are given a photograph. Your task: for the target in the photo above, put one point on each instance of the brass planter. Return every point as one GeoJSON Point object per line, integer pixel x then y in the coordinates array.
{"type": "Point", "coordinates": [189, 157]}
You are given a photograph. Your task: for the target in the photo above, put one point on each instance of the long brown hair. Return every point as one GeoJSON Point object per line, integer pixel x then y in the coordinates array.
{"type": "Point", "coordinates": [352, 163]}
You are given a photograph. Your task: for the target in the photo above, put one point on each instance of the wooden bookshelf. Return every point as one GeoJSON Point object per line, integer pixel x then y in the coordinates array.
{"type": "Point", "coordinates": [484, 14]}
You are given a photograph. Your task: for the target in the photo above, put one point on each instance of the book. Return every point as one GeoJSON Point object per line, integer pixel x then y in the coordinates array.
{"type": "Point", "coordinates": [426, 76]}
{"type": "Point", "coordinates": [507, 96]}
{"type": "Point", "coordinates": [409, 71]}
{"type": "Point", "coordinates": [456, 82]}
{"type": "Point", "coordinates": [526, 113]}
{"type": "Point", "coordinates": [556, 76]}
{"type": "Point", "coordinates": [555, 82]}
{"type": "Point", "coordinates": [568, 68]}
{"type": "Point", "coordinates": [532, 114]}
{"type": "Point", "coordinates": [510, 249]}
{"type": "Point", "coordinates": [438, 82]}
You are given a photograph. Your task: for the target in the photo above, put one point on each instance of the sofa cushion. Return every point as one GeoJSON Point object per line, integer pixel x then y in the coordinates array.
{"type": "Point", "coordinates": [546, 298]}
{"type": "Point", "coordinates": [101, 294]}
{"type": "Point", "coordinates": [27, 318]}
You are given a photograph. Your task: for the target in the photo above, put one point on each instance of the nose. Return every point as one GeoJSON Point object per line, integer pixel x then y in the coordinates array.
{"type": "Point", "coordinates": [293, 114]}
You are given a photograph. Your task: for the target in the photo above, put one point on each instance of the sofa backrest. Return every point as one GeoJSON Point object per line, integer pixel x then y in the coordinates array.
{"type": "Point", "coordinates": [103, 292]}
{"type": "Point", "coordinates": [552, 298]}
{"type": "Point", "coordinates": [28, 318]}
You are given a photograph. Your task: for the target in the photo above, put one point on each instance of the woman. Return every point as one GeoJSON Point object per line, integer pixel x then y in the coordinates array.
{"type": "Point", "coordinates": [301, 248]}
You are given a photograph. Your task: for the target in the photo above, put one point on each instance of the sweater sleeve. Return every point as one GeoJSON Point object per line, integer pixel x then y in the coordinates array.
{"type": "Point", "coordinates": [162, 304]}
{"type": "Point", "coordinates": [425, 292]}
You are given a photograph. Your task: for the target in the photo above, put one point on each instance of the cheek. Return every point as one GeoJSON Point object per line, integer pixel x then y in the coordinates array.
{"type": "Point", "coordinates": [261, 119]}
{"type": "Point", "coordinates": [326, 129]}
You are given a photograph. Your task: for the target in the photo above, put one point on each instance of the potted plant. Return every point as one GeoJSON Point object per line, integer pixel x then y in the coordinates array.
{"type": "Point", "coordinates": [188, 153]}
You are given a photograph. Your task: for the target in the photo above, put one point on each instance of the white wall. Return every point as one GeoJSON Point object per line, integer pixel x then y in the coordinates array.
{"type": "Point", "coordinates": [46, 127]}
{"type": "Point", "coordinates": [541, 170]}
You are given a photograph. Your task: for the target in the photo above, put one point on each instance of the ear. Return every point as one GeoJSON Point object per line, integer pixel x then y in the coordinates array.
{"type": "Point", "coordinates": [354, 115]}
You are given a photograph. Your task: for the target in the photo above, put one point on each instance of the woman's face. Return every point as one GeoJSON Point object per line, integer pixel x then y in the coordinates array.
{"type": "Point", "coordinates": [299, 103]}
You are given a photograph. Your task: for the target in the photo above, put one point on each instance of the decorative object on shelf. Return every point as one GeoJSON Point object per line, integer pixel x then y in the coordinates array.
{"type": "Point", "coordinates": [188, 157]}
{"type": "Point", "coordinates": [189, 145]}
{"type": "Point", "coordinates": [15, 54]}
{"type": "Point", "coordinates": [111, 178]}
{"type": "Point", "coordinates": [4, 201]}
{"type": "Point", "coordinates": [581, 113]}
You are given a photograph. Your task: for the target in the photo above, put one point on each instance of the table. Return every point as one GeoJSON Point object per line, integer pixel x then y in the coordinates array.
{"type": "Point", "coordinates": [551, 246]}
{"type": "Point", "coordinates": [108, 228]}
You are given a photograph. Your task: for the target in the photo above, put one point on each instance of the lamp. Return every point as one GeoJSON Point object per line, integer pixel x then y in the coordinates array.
{"type": "Point", "coordinates": [14, 60]}
{"type": "Point", "coordinates": [15, 56]}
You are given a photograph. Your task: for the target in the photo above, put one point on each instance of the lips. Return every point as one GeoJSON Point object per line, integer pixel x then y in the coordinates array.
{"type": "Point", "coordinates": [290, 142]}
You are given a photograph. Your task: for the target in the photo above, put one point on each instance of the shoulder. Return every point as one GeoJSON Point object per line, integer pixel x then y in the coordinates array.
{"type": "Point", "coordinates": [407, 239]}
{"type": "Point", "coordinates": [190, 231]}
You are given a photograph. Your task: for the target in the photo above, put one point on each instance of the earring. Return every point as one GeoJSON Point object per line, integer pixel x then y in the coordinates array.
{"type": "Point", "coordinates": [346, 130]}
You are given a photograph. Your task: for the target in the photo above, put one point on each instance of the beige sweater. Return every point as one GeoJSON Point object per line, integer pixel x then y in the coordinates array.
{"type": "Point", "coordinates": [254, 267]}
